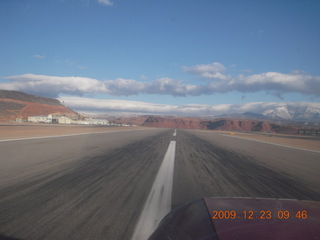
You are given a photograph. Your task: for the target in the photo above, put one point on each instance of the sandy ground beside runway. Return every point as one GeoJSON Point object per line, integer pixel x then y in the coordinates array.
{"type": "Point", "coordinates": [11, 131]}
{"type": "Point", "coordinates": [305, 142]}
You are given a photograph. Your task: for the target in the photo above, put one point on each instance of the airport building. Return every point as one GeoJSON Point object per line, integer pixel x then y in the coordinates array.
{"type": "Point", "coordinates": [66, 120]}
{"type": "Point", "coordinates": [43, 119]}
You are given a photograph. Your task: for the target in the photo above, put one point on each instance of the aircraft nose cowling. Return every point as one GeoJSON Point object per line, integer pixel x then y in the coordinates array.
{"type": "Point", "coordinates": [241, 218]}
{"type": "Point", "coordinates": [191, 221]}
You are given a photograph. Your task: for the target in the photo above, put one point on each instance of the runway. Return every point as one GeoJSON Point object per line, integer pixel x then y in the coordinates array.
{"type": "Point", "coordinates": [95, 186]}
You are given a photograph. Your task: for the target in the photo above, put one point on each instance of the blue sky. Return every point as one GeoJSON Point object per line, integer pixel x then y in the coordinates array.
{"type": "Point", "coordinates": [172, 52]}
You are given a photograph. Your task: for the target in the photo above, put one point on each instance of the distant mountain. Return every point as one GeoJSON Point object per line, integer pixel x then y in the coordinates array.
{"type": "Point", "coordinates": [246, 115]}
{"type": "Point", "coordinates": [20, 96]}
{"type": "Point", "coordinates": [15, 104]}
{"type": "Point", "coordinates": [297, 112]}
{"type": "Point", "coordinates": [172, 122]}
{"type": "Point", "coordinates": [285, 112]}
{"type": "Point", "coordinates": [220, 124]}
{"type": "Point", "coordinates": [253, 115]}
{"type": "Point", "coordinates": [226, 124]}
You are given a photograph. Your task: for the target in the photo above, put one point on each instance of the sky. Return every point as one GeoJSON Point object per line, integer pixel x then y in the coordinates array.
{"type": "Point", "coordinates": [144, 56]}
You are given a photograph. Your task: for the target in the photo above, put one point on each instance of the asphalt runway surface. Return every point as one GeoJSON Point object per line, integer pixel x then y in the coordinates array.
{"type": "Point", "coordinates": [95, 186]}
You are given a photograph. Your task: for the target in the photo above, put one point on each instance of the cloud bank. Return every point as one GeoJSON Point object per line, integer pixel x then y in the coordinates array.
{"type": "Point", "coordinates": [216, 82]}
{"type": "Point", "coordinates": [136, 107]}
{"type": "Point", "coordinates": [52, 86]}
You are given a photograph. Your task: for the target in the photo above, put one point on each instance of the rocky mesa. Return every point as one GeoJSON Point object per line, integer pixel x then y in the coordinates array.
{"type": "Point", "coordinates": [172, 122]}
{"type": "Point", "coordinates": [224, 124]}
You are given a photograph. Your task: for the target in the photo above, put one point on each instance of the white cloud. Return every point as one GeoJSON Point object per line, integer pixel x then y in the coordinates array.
{"type": "Point", "coordinates": [143, 77]}
{"type": "Point", "coordinates": [136, 107]}
{"type": "Point", "coordinates": [210, 71]}
{"type": "Point", "coordinates": [274, 82]}
{"type": "Point", "coordinates": [82, 67]}
{"type": "Point", "coordinates": [270, 82]}
{"type": "Point", "coordinates": [38, 56]}
{"type": "Point", "coordinates": [105, 2]}
{"type": "Point", "coordinates": [126, 87]}
{"type": "Point", "coordinates": [102, 105]}
{"type": "Point", "coordinates": [277, 82]}
{"type": "Point", "coordinates": [52, 86]}
{"type": "Point", "coordinates": [168, 86]}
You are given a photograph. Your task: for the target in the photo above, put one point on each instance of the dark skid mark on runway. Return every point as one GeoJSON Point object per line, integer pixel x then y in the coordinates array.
{"type": "Point", "coordinates": [214, 171]}
{"type": "Point", "coordinates": [99, 198]}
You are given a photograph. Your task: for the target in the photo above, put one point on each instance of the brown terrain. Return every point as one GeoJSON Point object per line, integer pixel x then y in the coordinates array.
{"type": "Point", "coordinates": [15, 105]}
{"type": "Point", "coordinates": [296, 141]}
{"type": "Point", "coordinates": [256, 130]}
{"type": "Point", "coordinates": [11, 131]}
{"type": "Point", "coordinates": [246, 125]}
{"type": "Point", "coordinates": [131, 120]}
{"type": "Point", "coordinates": [170, 122]}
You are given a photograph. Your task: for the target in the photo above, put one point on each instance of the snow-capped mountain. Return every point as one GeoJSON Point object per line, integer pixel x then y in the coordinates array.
{"type": "Point", "coordinates": [279, 112]}
{"type": "Point", "coordinates": [294, 111]}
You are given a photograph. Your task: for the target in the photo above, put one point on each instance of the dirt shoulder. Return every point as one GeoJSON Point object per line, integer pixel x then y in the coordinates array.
{"type": "Point", "coordinates": [305, 142]}
{"type": "Point", "coordinates": [13, 131]}
{"type": "Point", "coordinates": [10, 131]}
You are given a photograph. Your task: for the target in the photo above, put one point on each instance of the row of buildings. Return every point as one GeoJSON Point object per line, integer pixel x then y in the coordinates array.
{"type": "Point", "coordinates": [66, 120]}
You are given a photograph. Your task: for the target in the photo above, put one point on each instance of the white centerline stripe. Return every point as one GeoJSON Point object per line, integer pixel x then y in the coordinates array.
{"type": "Point", "coordinates": [175, 133]}
{"type": "Point", "coordinates": [158, 203]}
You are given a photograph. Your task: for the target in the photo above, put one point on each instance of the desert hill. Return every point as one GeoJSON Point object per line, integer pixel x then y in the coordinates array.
{"type": "Point", "coordinates": [217, 124]}
{"type": "Point", "coordinates": [20, 96]}
{"type": "Point", "coordinates": [250, 125]}
{"type": "Point", "coordinates": [14, 104]}
{"type": "Point", "coordinates": [226, 124]}
{"type": "Point", "coordinates": [172, 122]}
